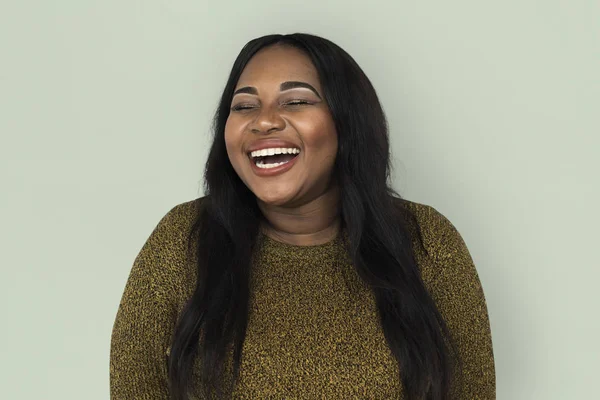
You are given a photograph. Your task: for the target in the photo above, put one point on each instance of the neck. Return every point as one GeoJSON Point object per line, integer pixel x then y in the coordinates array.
{"type": "Point", "coordinates": [312, 223]}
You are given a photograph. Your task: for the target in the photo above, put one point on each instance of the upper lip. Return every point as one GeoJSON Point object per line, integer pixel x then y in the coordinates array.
{"type": "Point", "coordinates": [269, 144]}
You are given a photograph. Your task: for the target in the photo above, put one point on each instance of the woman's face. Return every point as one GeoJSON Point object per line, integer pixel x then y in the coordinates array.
{"type": "Point", "coordinates": [278, 107]}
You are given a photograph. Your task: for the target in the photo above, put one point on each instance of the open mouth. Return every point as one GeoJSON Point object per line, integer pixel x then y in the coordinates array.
{"type": "Point", "coordinates": [274, 157]}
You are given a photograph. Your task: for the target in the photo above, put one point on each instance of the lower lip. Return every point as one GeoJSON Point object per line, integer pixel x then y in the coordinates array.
{"type": "Point", "coordinates": [280, 169]}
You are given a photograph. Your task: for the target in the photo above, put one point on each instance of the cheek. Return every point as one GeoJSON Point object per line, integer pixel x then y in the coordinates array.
{"type": "Point", "coordinates": [232, 142]}
{"type": "Point", "coordinates": [322, 140]}
{"type": "Point", "coordinates": [228, 135]}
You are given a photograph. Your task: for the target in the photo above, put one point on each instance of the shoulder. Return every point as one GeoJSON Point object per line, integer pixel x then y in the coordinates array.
{"type": "Point", "coordinates": [439, 236]}
{"type": "Point", "coordinates": [169, 238]}
{"type": "Point", "coordinates": [178, 221]}
{"type": "Point", "coordinates": [182, 214]}
{"type": "Point", "coordinates": [447, 265]}
{"type": "Point", "coordinates": [163, 261]}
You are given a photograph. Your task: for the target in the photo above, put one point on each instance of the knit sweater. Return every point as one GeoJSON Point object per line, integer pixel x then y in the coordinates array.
{"type": "Point", "coordinates": [313, 329]}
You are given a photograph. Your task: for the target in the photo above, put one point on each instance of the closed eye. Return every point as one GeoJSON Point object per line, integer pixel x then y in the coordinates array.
{"type": "Point", "coordinates": [241, 107]}
{"type": "Point", "coordinates": [297, 103]}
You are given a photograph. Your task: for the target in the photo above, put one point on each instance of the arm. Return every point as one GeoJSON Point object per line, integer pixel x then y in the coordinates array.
{"type": "Point", "coordinates": [456, 289]}
{"type": "Point", "coordinates": [146, 319]}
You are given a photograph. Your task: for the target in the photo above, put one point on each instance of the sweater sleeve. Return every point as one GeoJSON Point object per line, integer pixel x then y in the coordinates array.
{"type": "Point", "coordinates": [457, 291]}
{"type": "Point", "coordinates": [146, 318]}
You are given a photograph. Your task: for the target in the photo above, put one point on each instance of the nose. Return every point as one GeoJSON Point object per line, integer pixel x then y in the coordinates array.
{"type": "Point", "coordinates": [268, 120]}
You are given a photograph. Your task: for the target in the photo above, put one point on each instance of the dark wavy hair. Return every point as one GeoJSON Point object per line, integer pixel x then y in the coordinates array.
{"type": "Point", "coordinates": [379, 226]}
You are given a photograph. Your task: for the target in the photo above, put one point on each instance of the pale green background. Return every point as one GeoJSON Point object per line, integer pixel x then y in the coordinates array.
{"type": "Point", "coordinates": [105, 109]}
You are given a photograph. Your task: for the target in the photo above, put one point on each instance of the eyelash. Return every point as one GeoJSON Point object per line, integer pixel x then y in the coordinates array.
{"type": "Point", "coordinates": [241, 107]}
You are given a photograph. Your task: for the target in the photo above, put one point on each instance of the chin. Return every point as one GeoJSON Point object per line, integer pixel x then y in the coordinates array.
{"type": "Point", "coordinates": [274, 198]}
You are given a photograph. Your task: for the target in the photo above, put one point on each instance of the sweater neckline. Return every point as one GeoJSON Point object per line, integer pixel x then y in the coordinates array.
{"type": "Point", "coordinates": [298, 247]}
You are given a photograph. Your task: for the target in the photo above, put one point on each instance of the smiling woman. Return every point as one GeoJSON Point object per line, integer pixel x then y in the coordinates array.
{"type": "Point", "coordinates": [278, 105]}
{"type": "Point", "coordinates": [302, 273]}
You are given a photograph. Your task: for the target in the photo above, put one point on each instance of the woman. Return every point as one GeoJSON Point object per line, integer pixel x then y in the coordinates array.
{"type": "Point", "coordinates": [301, 274]}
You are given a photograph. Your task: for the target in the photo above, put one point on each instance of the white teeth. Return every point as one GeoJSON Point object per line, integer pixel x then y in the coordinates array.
{"type": "Point", "coordinates": [260, 164]}
{"type": "Point", "coordinates": [273, 151]}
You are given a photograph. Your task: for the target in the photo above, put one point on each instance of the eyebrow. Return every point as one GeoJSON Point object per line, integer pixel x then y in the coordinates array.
{"type": "Point", "coordinates": [283, 87]}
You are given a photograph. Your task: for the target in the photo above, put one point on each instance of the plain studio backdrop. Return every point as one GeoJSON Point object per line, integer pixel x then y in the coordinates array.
{"type": "Point", "coordinates": [105, 112]}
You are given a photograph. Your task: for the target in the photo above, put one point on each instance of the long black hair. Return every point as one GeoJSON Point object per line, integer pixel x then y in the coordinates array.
{"type": "Point", "coordinates": [379, 226]}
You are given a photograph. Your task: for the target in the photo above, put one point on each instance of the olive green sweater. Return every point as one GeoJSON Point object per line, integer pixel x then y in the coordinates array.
{"type": "Point", "coordinates": [313, 328]}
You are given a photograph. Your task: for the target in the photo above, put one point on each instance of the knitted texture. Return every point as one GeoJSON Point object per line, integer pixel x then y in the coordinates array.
{"type": "Point", "coordinates": [313, 329]}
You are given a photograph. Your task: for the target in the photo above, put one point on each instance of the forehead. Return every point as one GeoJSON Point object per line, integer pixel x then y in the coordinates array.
{"type": "Point", "coordinates": [277, 64]}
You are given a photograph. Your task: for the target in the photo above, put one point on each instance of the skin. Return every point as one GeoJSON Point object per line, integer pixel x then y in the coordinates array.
{"type": "Point", "coordinates": [301, 205]}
